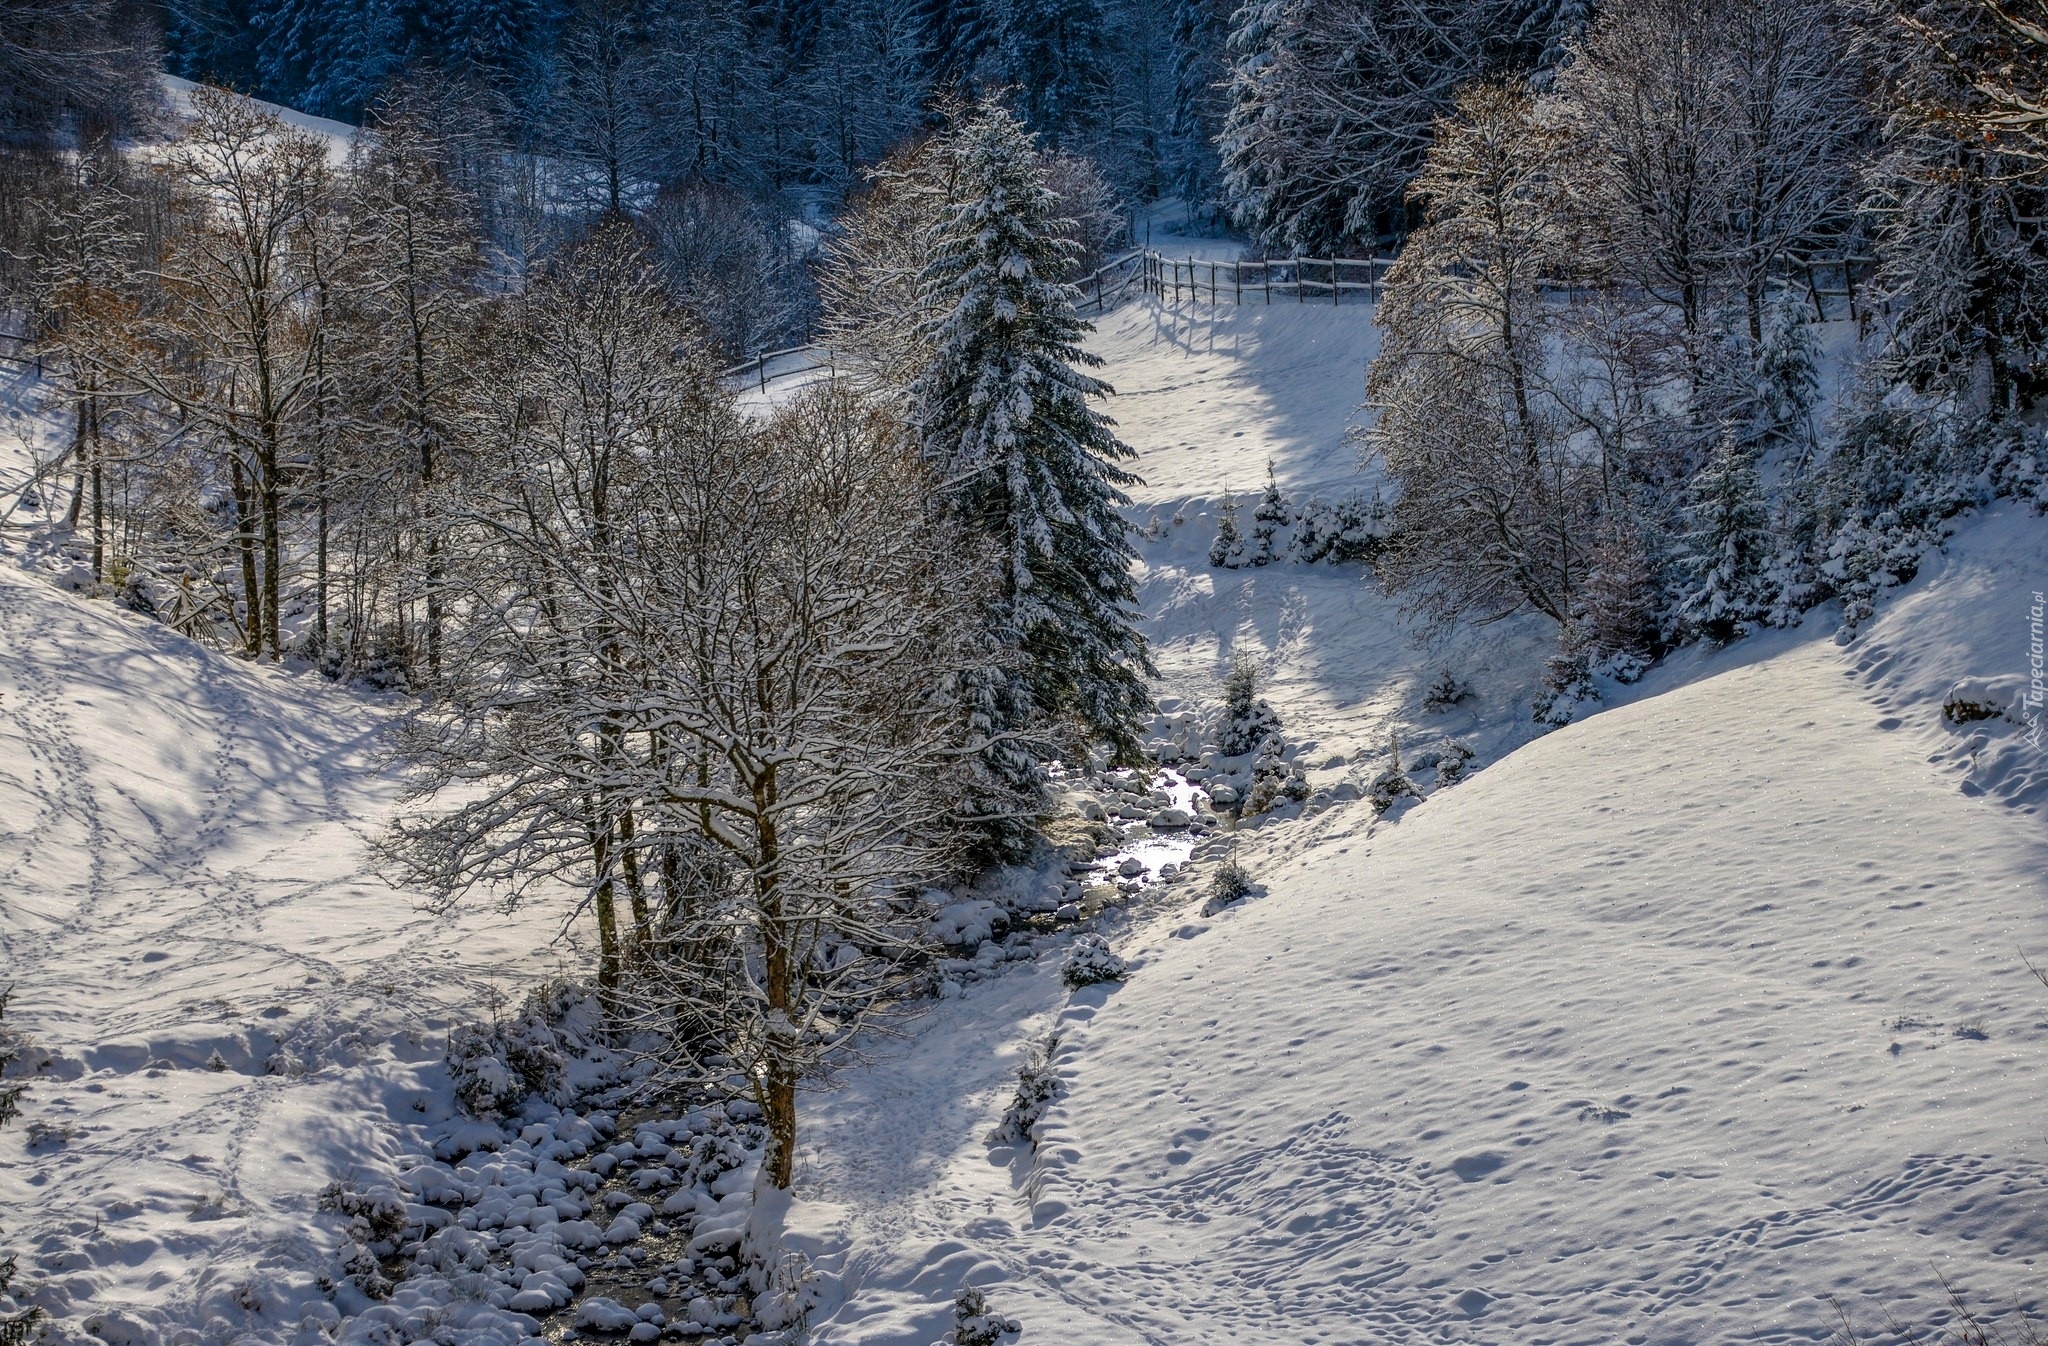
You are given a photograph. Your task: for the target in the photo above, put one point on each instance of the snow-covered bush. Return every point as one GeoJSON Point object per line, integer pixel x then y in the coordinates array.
{"type": "Point", "coordinates": [975, 1323]}
{"type": "Point", "coordinates": [1273, 780]}
{"type": "Point", "coordinates": [1351, 528]}
{"type": "Point", "coordinates": [1037, 1086]}
{"type": "Point", "coordinates": [1230, 884]}
{"type": "Point", "coordinates": [1453, 761]}
{"type": "Point", "coordinates": [496, 1067]}
{"type": "Point", "coordinates": [376, 1225]}
{"type": "Point", "coordinates": [1228, 550]}
{"type": "Point", "coordinates": [11, 1047]}
{"type": "Point", "coordinates": [1566, 688]}
{"type": "Point", "coordinates": [1392, 784]}
{"type": "Point", "coordinates": [18, 1326]}
{"type": "Point", "coordinates": [1446, 691]}
{"type": "Point", "coordinates": [1091, 961]}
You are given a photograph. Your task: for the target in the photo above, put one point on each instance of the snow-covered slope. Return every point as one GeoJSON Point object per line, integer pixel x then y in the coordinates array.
{"type": "Point", "coordinates": [1209, 396]}
{"type": "Point", "coordinates": [1664, 1028]}
{"type": "Point", "coordinates": [239, 1011]}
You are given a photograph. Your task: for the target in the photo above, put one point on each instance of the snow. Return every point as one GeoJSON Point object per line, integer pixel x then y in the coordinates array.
{"type": "Point", "coordinates": [1662, 1027]}
{"type": "Point", "coordinates": [185, 879]}
{"type": "Point", "coordinates": [339, 137]}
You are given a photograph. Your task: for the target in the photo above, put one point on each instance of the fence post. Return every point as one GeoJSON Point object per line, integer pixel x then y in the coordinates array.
{"type": "Point", "coordinates": [1266, 274]}
{"type": "Point", "coordinates": [761, 368]}
{"type": "Point", "coordinates": [1212, 282]}
{"type": "Point", "coordinates": [1333, 282]}
{"type": "Point", "coordinates": [1298, 291]}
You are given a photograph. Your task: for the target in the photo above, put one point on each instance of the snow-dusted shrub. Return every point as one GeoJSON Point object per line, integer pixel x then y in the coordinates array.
{"type": "Point", "coordinates": [1230, 884]}
{"type": "Point", "coordinates": [1037, 1086]}
{"type": "Point", "coordinates": [496, 1067]}
{"type": "Point", "coordinates": [1273, 780]}
{"type": "Point", "coordinates": [11, 1048]}
{"type": "Point", "coordinates": [1091, 961]}
{"type": "Point", "coordinates": [1392, 784]}
{"type": "Point", "coordinates": [376, 1226]}
{"type": "Point", "coordinates": [975, 1323]}
{"type": "Point", "coordinates": [1228, 550]}
{"type": "Point", "coordinates": [1454, 760]}
{"type": "Point", "coordinates": [18, 1326]}
{"type": "Point", "coordinates": [1352, 528]}
{"type": "Point", "coordinates": [1884, 498]}
{"type": "Point", "coordinates": [1446, 691]}
{"type": "Point", "coordinates": [1566, 688]}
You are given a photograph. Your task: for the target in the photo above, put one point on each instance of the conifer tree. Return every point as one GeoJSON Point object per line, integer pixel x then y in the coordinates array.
{"type": "Point", "coordinates": [1728, 546]}
{"type": "Point", "coordinates": [1267, 520]}
{"type": "Point", "coordinates": [1003, 409]}
{"type": "Point", "coordinates": [1227, 551]}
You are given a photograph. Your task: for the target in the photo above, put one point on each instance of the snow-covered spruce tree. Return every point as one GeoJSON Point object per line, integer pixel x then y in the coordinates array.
{"type": "Point", "coordinates": [1227, 550]}
{"type": "Point", "coordinates": [975, 1323]}
{"type": "Point", "coordinates": [1787, 377]}
{"type": "Point", "coordinates": [1003, 411]}
{"type": "Point", "coordinates": [1268, 519]}
{"type": "Point", "coordinates": [1247, 720]}
{"type": "Point", "coordinates": [1728, 547]}
{"type": "Point", "coordinates": [1494, 505]}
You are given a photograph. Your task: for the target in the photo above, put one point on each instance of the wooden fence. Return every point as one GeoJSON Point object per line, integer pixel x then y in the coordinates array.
{"type": "Point", "coordinates": [1302, 280]}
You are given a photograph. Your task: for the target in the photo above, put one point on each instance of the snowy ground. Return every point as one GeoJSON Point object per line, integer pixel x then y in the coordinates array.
{"type": "Point", "coordinates": [1663, 1029]}
{"type": "Point", "coordinates": [237, 1010]}
{"type": "Point", "coordinates": [1660, 1028]}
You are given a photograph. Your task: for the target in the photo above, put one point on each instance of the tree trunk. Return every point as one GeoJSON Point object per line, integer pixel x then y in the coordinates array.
{"type": "Point", "coordinates": [273, 545]}
{"type": "Point", "coordinates": [245, 540]}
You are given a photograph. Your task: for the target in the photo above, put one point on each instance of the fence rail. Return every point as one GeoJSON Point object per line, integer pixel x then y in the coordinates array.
{"type": "Point", "coordinates": [1245, 281]}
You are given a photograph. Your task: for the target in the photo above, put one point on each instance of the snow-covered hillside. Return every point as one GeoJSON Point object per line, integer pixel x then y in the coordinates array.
{"type": "Point", "coordinates": [235, 1009]}
{"type": "Point", "coordinates": [1664, 1029]}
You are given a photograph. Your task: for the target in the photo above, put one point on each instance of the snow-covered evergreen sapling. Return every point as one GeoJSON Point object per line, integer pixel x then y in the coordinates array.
{"type": "Point", "coordinates": [1247, 720]}
{"type": "Point", "coordinates": [1267, 520]}
{"type": "Point", "coordinates": [1090, 962]}
{"type": "Point", "coordinates": [975, 1323]}
{"type": "Point", "coordinates": [17, 1326]}
{"type": "Point", "coordinates": [1230, 884]}
{"type": "Point", "coordinates": [1006, 419]}
{"type": "Point", "coordinates": [1453, 761]}
{"type": "Point", "coordinates": [1787, 376]}
{"type": "Point", "coordinates": [1567, 683]}
{"type": "Point", "coordinates": [10, 1052]}
{"type": "Point", "coordinates": [1227, 551]}
{"type": "Point", "coordinates": [1445, 691]}
{"type": "Point", "coordinates": [1728, 547]}
{"type": "Point", "coordinates": [1392, 784]}
{"type": "Point", "coordinates": [1038, 1084]}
